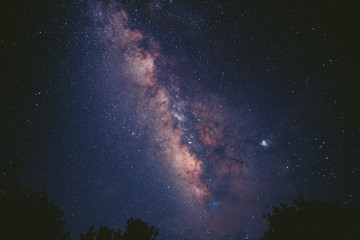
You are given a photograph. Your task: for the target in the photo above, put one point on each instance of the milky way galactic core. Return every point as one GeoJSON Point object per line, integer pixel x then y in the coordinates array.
{"type": "Point", "coordinates": [194, 136]}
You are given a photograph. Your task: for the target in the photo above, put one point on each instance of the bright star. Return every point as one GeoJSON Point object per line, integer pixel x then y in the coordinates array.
{"type": "Point", "coordinates": [264, 143]}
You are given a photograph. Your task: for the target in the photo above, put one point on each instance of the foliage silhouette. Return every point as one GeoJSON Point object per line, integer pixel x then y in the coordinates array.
{"type": "Point", "coordinates": [105, 233]}
{"type": "Point", "coordinates": [26, 214]}
{"type": "Point", "coordinates": [313, 220]}
{"type": "Point", "coordinates": [135, 230]}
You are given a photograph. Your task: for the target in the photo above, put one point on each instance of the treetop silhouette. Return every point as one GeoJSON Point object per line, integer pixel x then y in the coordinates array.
{"type": "Point", "coordinates": [135, 230]}
{"type": "Point", "coordinates": [26, 214]}
{"type": "Point", "coordinates": [313, 220]}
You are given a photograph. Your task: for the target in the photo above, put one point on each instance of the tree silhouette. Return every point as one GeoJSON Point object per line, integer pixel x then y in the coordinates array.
{"type": "Point", "coordinates": [24, 213]}
{"type": "Point", "coordinates": [104, 233]}
{"type": "Point", "coordinates": [135, 230]}
{"type": "Point", "coordinates": [313, 220]}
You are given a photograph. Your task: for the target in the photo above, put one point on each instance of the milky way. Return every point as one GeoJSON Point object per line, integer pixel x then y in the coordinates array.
{"type": "Point", "coordinates": [204, 149]}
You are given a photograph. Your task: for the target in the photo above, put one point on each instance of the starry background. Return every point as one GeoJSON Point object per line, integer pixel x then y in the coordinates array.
{"type": "Point", "coordinates": [195, 116]}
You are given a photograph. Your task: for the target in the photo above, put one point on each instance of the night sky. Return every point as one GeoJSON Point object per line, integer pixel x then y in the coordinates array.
{"type": "Point", "coordinates": [195, 116]}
